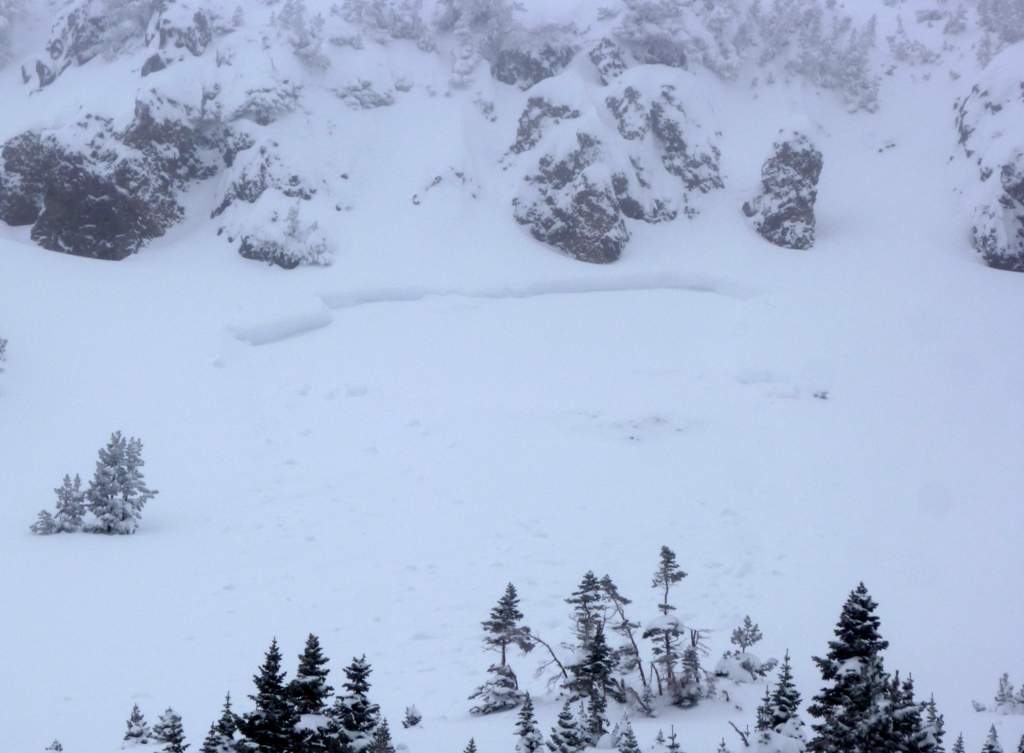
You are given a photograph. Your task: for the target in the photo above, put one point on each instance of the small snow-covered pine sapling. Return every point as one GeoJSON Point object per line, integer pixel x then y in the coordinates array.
{"type": "Point", "coordinates": [627, 741]}
{"type": "Point", "coordinates": [660, 738]}
{"type": "Point", "coordinates": [528, 734]}
{"type": "Point", "coordinates": [70, 504]}
{"type": "Point", "coordinates": [170, 732]}
{"type": "Point", "coordinates": [471, 747]}
{"type": "Point", "coordinates": [138, 728]}
{"type": "Point", "coordinates": [412, 717]}
{"type": "Point", "coordinates": [722, 747]}
{"type": "Point", "coordinates": [117, 492]}
{"type": "Point", "coordinates": [70, 509]}
{"type": "Point", "coordinates": [381, 741]}
{"type": "Point", "coordinates": [746, 635]}
{"type": "Point", "coordinates": [221, 738]}
{"type": "Point", "coordinates": [934, 727]}
{"type": "Point", "coordinates": [1004, 696]}
{"type": "Point", "coordinates": [498, 693]}
{"type": "Point", "coordinates": [673, 744]}
{"type": "Point", "coordinates": [958, 746]}
{"type": "Point", "coordinates": [309, 690]}
{"type": "Point", "coordinates": [783, 703]}
{"type": "Point", "coordinates": [45, 524]}
{"type": "Point", "coordinates": [55, 746]}
{"type": "Point", "coordinates": [567, 737]}
{"type": "Point", "coordinates": [992, 742]}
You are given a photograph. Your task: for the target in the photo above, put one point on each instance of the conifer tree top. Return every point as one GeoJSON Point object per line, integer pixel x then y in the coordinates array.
{"type": "Point", "coordinates": [857, 632]}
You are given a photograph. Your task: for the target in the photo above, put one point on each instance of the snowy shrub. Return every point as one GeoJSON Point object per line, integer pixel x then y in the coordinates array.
{"type": "Point", "coordinates": [815, 42]}
{"type": "Point", "coordinates": [265, 104]}
{"type": "Point", "coordinates": [1006, 701]}
{"type": "Point", "coordinates": [384, 20]}
{"type": "Point", "coordinates": [303, 33]}
{"type": "Point", "coordinates": [479, 26]}
{"type": "Point", "coordinates": [676, 33]}
{"type": "Point", "coordinates": [70, 509]}
{"type": "Point", "coordinates": [909, 50]}
{"type": "Point", "coordinates": [10, 10]}
{"type": "Point", "coordinates": [412, 717]}
{"type": "Point", "coordinates": [1004, 19]}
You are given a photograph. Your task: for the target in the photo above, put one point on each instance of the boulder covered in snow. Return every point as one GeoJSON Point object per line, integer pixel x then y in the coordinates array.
{"type": "Point", "coordinates": [989, 123]}
{"type": "Point", "coordinates": [642, 156]}
{"type": "Point", "coordinates": [783, 213]}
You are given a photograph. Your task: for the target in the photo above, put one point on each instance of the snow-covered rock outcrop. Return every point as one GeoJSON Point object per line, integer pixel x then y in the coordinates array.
{"type": "Point", "coordinates": [783, 213]}
{"type": "Point", "coordinates": [589, 178]}
{"type": "Point", "coordinates": [990, 121]}
{"type": "Point", "coordinates": [92, 191]}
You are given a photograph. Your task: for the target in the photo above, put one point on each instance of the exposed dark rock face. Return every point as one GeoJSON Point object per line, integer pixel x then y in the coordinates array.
{"type": "Point", "coordinates": [90, 191]}
{"type": "Point", "coordinates": [575, 208]}
{"type": "Point", "coordinates": [607, 56]}
{"type": "Point", "coordinates": [183, 25]}
{"type": "Point", "coordinates": [270, 251]}
{"type": "Point", "coordinates": [999, 230]}
{"type": "Point", "coordinates": [783, 213]}
{"type": "Point", "coordinates": [539, 115]}
{"type": "Point", "coordinates": [988, 121]}
{"type": "Point", "coordinates": [524, 62]}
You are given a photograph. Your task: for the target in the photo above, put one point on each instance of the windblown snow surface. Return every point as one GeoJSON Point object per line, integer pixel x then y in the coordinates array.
{"type": "Point", "coordinates": [371, 451]}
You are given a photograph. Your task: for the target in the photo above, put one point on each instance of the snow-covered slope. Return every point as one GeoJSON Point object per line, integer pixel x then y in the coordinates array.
{"type": "Point", "coordinates": [371, 450]}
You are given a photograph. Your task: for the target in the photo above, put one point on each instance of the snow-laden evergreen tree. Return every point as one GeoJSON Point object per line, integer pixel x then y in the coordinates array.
{"type": "Point", "coordinates": [627, 741]}
{"type": "Point", "coordinates": [170, 733]}
{"type": "Point", "coordinates": [1020, 745]}
{"type": "Point", "coordinates": [45, 524]}
{"type": "Point", "coordinates": [778, 721]}
{"type": "Point", "coordinates": [309, 690]}
{"type": "Point", "coordinates": [270, 728]}
{"type": "Point", "coordinates": [852, 707]}
{"type": "Point", "coordinates": [353, 718]}
{"type": "Point", "coordinates": [501, 631]}
{"type": "Point", "coordinates": [471, 747]}
{"type": "Point", "coordinates": [221, 737]}
{"type": "Point", "coordinates": [70, 505]}
{"type": "Point", "coordinates": [934, 726]}
{"type": "Point", "coordinates": [992, 742]}
{"type": "Point", "coordinates": [138, 732]}
{"type": "Point", "coordinates": [528, 735]}
{"type": "Point", "coordinates": [908, 732]}
{"type": "Point", "coordinates": [567, 736]}
{"type": "Point", "coordinates": [958, 745]}
{"type": "Point", "coordinates": [117, 492]}
{"type": "Point", "coordinates": [55, 746]}
{"type": "Point", "coordinates": [70, 509]}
